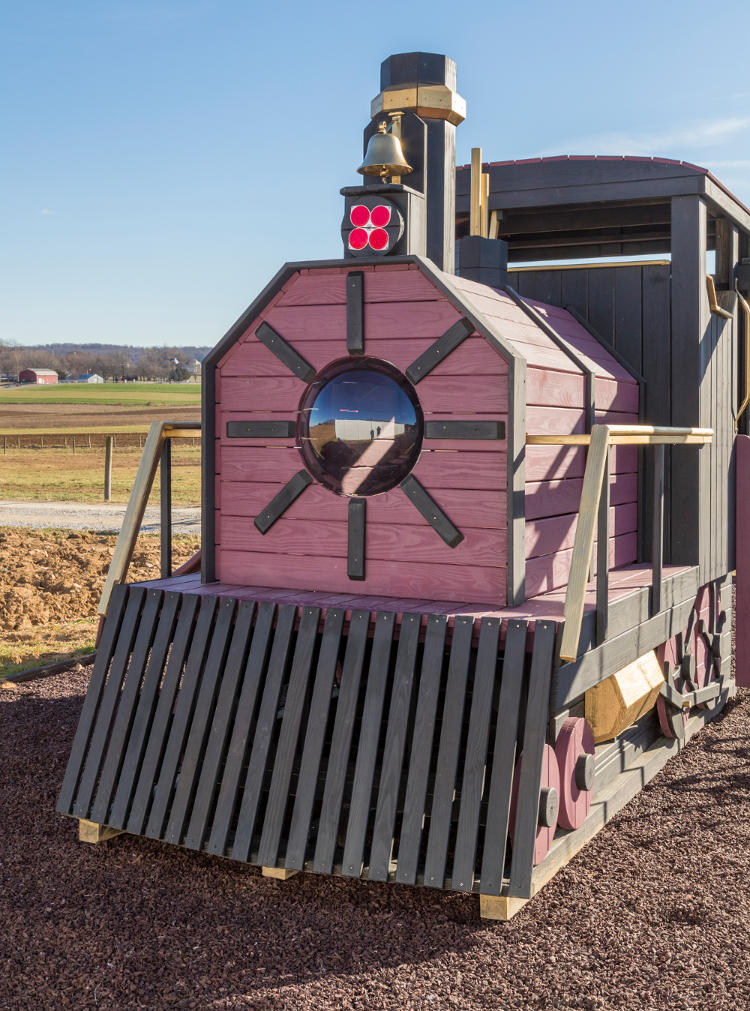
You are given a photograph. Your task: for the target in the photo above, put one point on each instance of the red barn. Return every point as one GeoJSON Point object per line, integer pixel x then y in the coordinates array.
{"type": "Point", "coordinates": [38, 377]}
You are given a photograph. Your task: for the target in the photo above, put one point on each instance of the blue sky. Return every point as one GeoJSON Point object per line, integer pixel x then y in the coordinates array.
{"type": "Point", "coordinates": [160, 160]}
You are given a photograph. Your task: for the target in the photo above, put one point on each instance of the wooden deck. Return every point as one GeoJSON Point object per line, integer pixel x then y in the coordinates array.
{"type": "Point", "coordinates": [629, 594]}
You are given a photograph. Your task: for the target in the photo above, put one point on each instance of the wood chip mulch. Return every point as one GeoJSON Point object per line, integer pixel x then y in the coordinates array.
{"type": "Point", "coordinates": [653, 914]}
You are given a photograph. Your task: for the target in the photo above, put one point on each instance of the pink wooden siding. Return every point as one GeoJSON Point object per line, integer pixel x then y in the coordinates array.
{"type": "Point", "coordinates": [307, 547]}
{"type": "Point", "coordinates": [555, 397]}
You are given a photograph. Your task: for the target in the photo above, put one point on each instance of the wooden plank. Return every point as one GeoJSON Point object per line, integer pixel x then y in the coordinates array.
{"type": "Point", "coordinates": [475, 761]}
{"type": "Point", "coordinates": [356, 539]}
{"type": "Point", "coordinates": [537, 708]}
{"type": "Point", "coordinates": [464, 430]}
{"type": "Point", "coordinates": [320, 703]}
{"type": "Point", "coordinates": [285, 352]}
{"type": "Point", "coordinates": [109, 699]}
{"type": "Point", "coordinates": [657, 395]}
{"type": "Point", "coordinates": [446, 770]}
{"type": "Point", "coordinates": [179, 726]}
{"type": "Point", "coordinates": [221, 726]}
{"type": "Point", "coordinates": [439, 351]}
{"type": "Point", "coordinates": [242, 731]}
{"type": "Point", "coordinates": [504, 758]}
{"type": "Point", "coordinates": [200, 724]}
{"type": "Point", "coordinates": [421, 749]}
{"type": "Point", "coordinates": [367, 745]}
{"type": "Point", "coordinates": [261, 429]}
{"type": "Point", "coordinates": [355, 306]}
{"type": "Point", "coordinates": [742, 599]}
{"type": "Point", "coordinates": [294, 706]}
{"type": "Point", "coordinates": [657, 535]}
{"type": "Point", "coordinates": [628, 337]}
{"type": "Point", "coordinates": [434, 515]}
{"type": "Point", "coordinates": [118, 741]}
{"type": "Point", "coordinates": [602, 559]}
{"type": "Point", "coordinates": [90, 706]}
{"type": "Point", "coordinates": [260, 753]}
{"type": "Point", "coordinates": [338, 758]}
{"type": "Point", "coordinates": [147, 738]}
{"type": "Point", "coordinates": [281, 501]}
{"type": "Point", "coordinates": [579, 566]}
{"type": "Point", "coordinates": [94, 832]}
{"type": "Point", "coordinates": [393, 752]}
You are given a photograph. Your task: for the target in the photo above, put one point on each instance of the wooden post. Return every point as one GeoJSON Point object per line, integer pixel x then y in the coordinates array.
{"type": "Point", "coordinates": [602, 560]}
{"type": "Point", "coordinates": [657, 535]}
{"type": "Point", "coordinates": [165, 478]}
{"type": "Point", "coordinates": [108, 444]}
{"type": "Point", "coordinates": [93, 832]}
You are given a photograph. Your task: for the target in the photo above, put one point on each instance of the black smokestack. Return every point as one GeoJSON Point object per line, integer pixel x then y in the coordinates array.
{"type": "Point", "coordinates": [423, 87]}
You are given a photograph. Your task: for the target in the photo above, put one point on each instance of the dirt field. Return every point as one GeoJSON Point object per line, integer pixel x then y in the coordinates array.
{"type": "Point", "coordinates": [651, 915]}
{"type": "Point", "coordinates": [50, 582]}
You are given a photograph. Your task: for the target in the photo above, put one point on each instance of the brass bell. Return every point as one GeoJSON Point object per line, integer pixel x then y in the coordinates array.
{"type": "Point", "coordinates": [384, 156]}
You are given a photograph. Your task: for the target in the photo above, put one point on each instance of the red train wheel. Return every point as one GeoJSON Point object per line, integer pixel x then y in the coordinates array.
{"type": "Point", "coordinates": [549, 802]}
{"type": "Point", "coordinates": [574, 751]}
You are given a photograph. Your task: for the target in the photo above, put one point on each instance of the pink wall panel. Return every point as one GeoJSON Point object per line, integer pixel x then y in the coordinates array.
{"type": "Point", "coordinates": [464, 507]}
{"type": "Point", "coordinates": [550, 571]}
{"type": "Point", "coordinates": [546, 387]}
{"type": "Point", "coordinates": [555, 498]}
{"type": "Point", "coordinates": [554, 533]}
{"type": "Point", "coordinates": [554, 421]}
{"type": "Point", "coordinates": [430, 581]}
{"type": "Point", "coordinates": [405, 542]}
{"type": "Point", "coordinates": [319, 288]}
{"type": "Point", "coordinates": [612, 395]}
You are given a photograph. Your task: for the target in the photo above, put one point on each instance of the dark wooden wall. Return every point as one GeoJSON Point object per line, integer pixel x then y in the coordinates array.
{"type": "Point", "coordinates": [689, 367]}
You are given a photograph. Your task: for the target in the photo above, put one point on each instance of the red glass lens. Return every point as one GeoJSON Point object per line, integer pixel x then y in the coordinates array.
{"type": "Point", "coordinates": [359, 215]}
{"type": "Point", "coordinates": [358, 238]}
{"type": "Point", "coordinates": [379, 238]}
{"type": "Point", "coordinates": [380, 216]}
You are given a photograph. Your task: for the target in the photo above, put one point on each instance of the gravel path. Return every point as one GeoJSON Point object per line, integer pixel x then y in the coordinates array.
{"type": "Point", "coordinates": [104, 518]}
{"type": "Point", "coordinates": [652, 914]}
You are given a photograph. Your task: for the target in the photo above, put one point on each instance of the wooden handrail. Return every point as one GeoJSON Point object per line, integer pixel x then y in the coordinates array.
{"type": "Point", "coordinates": [158, 435]}
{"type": "Point", "coordinates": [743, 406]}
{"type": "Point", "coordinates": [601, 439]}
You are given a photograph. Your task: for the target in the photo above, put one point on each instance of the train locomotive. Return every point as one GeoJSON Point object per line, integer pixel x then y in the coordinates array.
{"type": "Point", "coordinates": [469, 534]}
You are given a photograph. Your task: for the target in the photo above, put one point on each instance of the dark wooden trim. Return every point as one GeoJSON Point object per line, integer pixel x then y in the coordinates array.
{"type": "Point", "coordinates": [285, 352]}
{"type": "Point", "coordinates": [464, 429]}
{"type": "Point", "coordinates": [428, 507]}
{"type": "Point", "coordinates": [355, 312]}
{"type": "Point", "coordinates": [261, 429]}
{"type": "Point", "coordinates": [437, 352]}
{"type": "Point", "coordinates": [575, 678]}
{"type": "Point", "coordinates": [657, 535]}
{"type": "Point", "coordinates": [357, 538]}
{"type": "Point", "coordinates": [281, 501]}
{"type": "Point", "coordinates": [165, 508]}
{"type": "Point", "coordinates": [534, 739]}
{"type": "Point", "coordinates": [554, 336]}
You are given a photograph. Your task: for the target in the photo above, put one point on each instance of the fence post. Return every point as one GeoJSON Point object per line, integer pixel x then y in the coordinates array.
{"type": "Point", "coordinates": [108, 443]}
{"type": "Point", "coordinates": [165, 474]}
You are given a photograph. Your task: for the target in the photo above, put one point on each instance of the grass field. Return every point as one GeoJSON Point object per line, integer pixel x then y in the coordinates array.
{"type": "Point", "coordinates": [59, 475]}
{"type": "Point", "coordinates": [107, 394]}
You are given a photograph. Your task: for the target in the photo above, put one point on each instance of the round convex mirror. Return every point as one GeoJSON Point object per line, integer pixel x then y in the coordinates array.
{"type": "Point", "coordinates": [360, 427]}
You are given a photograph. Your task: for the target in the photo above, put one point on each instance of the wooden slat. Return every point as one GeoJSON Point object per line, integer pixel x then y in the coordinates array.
{"type": "Point", "coordinates": [341, 742]}
{"type": "Point", "coordinates": [314, 737]}
{"type": "Point", "coordinates": [294, 706]}
{"type": "Point", "coordinates": [355, 307]}
{"type": "Point", "coordinates": [602, 558]}
{"type": "Point", "coordinates": [200, 721]}
{"type": "Point", "coordinates": [421, 749]}
{"type": "Point", "coordinates": [367, 745]}
{"type": "Point", "coordinates": [231, 680]}
{"type": "Point", "coordinates": [149, 734]}
{"type": "Point", "coordinates": [529, 786]}
{"type": "Point", "coordinates": [242, 730]}
{"type": "Point", "coordinates": [179, 726]}
{"type": "Point", "coordinates": [393, 753]}
{"type": "Point", "coordinates": [447, 761]}
{"type": "Point", "coordinates": [472, 781]}
{"type": "Point", "coordinates": [504, 759]}
{"type": "Point", "coordinates": [86, 720]}
{"type": "Point", "coordinates": [138, 732]}
{"type": "Point", "coordinates": [123, 719]}
{"type": "Point", "coordinates": [263, 734]}
{"type": "Point", "coordinates": [357, 538]}
{"type": "Point", "coordinates": [109, 698]}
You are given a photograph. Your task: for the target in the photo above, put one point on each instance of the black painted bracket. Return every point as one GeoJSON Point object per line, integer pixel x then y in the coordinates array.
{"type": "Point", "coordinates": [281, 502]}
{"type": "Point", "coordinates": [355, 313]}
{"type": "Point", "coordinates": [285, 353]}
{"type": "Point", "coordinates": [355, 563]}
{"type": "Point", "coordinates": [439, 351]}
{"type": "Point", "coordinates": [431, 511]}
{"type": "Point", "coordinates": [261, 429]}
{"type": "Point", "coordinates": [464, 429]}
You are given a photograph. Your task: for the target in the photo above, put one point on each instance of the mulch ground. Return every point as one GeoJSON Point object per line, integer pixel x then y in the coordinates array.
{"type": "Point", "coordinates": [653, 914]}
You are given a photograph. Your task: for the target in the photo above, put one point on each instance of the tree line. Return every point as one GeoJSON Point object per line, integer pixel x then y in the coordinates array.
{"type": "Point", "coordinates": [113, 363]}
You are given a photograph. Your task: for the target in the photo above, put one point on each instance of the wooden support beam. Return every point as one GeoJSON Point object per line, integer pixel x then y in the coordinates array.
{"type": "Point", "coordinates": [93, 832]}
{"type": "Point", "coordinates": [278, 873]}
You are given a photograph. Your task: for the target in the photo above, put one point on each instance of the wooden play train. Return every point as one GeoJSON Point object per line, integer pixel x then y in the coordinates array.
{"type": "Point", "coordinates": [469, 532]}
